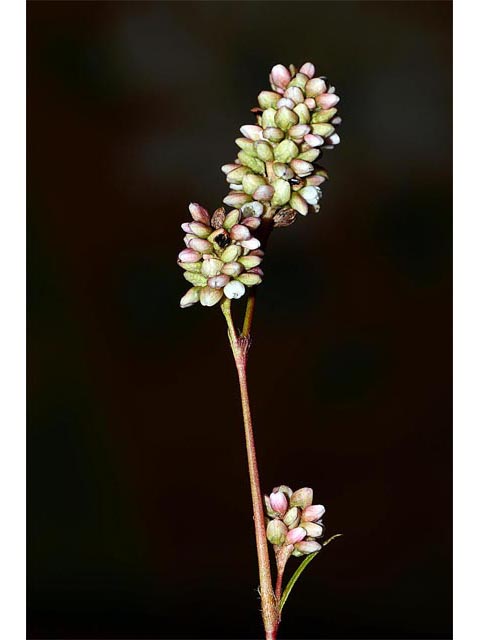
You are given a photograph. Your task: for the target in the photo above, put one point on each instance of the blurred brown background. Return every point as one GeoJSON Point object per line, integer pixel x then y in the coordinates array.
{"type": "Point", "coordinates": [139, 508]}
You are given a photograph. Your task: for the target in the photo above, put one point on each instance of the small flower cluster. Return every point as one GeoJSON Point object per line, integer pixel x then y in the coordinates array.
{"type": "Point", "coordinates": [293, 521]}
{"type": "Point", "coordinates": [222, 257]}
{"type": "Point", "coordinates": [277, 158]}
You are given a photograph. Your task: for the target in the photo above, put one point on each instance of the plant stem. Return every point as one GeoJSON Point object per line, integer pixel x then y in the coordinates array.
{"type": "Point", "coordinates": [240, 345]}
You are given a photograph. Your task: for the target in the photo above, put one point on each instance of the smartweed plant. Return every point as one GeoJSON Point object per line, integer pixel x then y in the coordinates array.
{"type": "Point", "coordinates": [275, 178]}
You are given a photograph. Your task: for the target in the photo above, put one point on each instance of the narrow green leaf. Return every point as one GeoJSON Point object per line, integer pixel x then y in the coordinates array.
{"type": "Point", "coordinates": [300, 570]}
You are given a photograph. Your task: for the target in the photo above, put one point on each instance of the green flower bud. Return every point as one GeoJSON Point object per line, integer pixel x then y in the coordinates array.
{"type": "Point", "coordinates": [246, 145]}
{"type": "Point", "coordinates": [264, 150]}
{"type": "Point", "coordinates": [250, 261]}
{"type": "Point", "coordinates": [314, 87]}
{"type": "Point", "coordinates": [310, 155]}
{"type": "Point", "coordinates": [282, 192]}
{"type": "Point", "coordinates": [286, 151]}
{"type": "Point", "coordinates": [251, 182]}
{"type": "Point", "coordinates": [236, 176]}
{"type": "Point", "coordinates": [201, 230]}
{"type": "Point", "coordinates": [303, 113]}
{"type": "Point", "coordinates": [300, 80]}
{"type": "Point", "coordinates": [232, 218]}
{"type": "Point", "coordinates": [323, 115]}
{"type": "Point", "coordinates": [191, 297]}
{"type": "Point", "coordinates": [195, 278]}
{"type": "Point", "coordinates": [254, 164]}
{"type": "Point", "coordinates": [194, 267]}
{"type": "Point", "coordinates": [249, 279]}
{"type": "Point", "coordinates": [298, 203]}
{"type": "Point", "coordinates": [268, 118]}
{"type": "Point", "coordinates": [285, 118]}
{"type": "Point", "coordinates": [236, 199]}
{"type": "Point", "coordinates": [323, 129]}
{"type": "Point", "coordinates": [292, 518]}
{"type": "Point", "coordinates": [267, 99]}
{"type": "Point", "coordinates": [282, 170]}
{"type": "Point", "coordinates": [313, 530]}
{"type": "Point", "coordinates": [231, 253]}
{"type": "Point", "coordinates": [276, 532]}
{"type": "Point", "coordinates": [273, 133]}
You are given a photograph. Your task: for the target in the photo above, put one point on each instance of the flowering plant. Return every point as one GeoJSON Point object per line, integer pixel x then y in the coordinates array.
{"type": "Point", "coordinates": [275, 177]}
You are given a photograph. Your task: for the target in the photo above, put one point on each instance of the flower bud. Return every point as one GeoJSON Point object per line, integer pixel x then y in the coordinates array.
{"type": "Point", "coordinates": [300, 81]}
{"type": "Point", "coordinates": [284, 489]}
{"type": "Point", "coordinates": [292, 517]}
{"type": "Point", "coordinates": [236, 176]}
{"type": "Point", "coordinates": [255, 164]}
{"type": "Point", "coordinates": [268, 507]}
{"type": "Point", "coordinates": [296, 535]}
{"type": "Point", "coordinates": [282, 170]}
{"type": "Point", "coordinates": [231, 253]}
{"type": "Point", "coordinates": [252, 209]}
{"type": "Point", "coordinates": [299, 131]}
{"type": "Point", "coordinates": [186, 227]}
{"type": "Point", "coordinates": [251, 182]}
{"type": "Point", "coordinates": [268, 118]}
{"type": "Point", "coordinates": [323, 116]}
{"type": "Point", "coordinates": [298, 203]}
{"type": "Point", "coordinates": [313, 513]}
{"type": "Point", "coordinates": [285, 102]}
{"type": "Point", "coordinates": [232, 269]}
{"type": "Point", "coordinates": [315, 181]}
{"type": "Point", "coordinates": [273, 133]}
{"type": "Point", "coordinates": [211, 267]}
{"type": "Point", "coordinates": [301, 167]}
{"type": "Point", "coordinates": [268, 99]}
{"type": "Point", "coordinates": [250, 261]}
{"type": "Point", "coordinates": [285, 151]}
{"type": "Point", "coordinates": [209, 297]}
{"type": "Point", "coordinates": [314, 87]}
{"type": "Point", "coordinates": [236, 199]}
{"type": "Point", "coordinates": [282, 192]}
{"type": "Point", "coordinates": [264, 150]}
{"type": "Point", "coordinates": [232, 218]}
{"type": "Point", "coordinates": [189, 255]}
{"type": "Point", "coordinates": [227, 168]}
{"type": "Point", "coordinates": [276, 532]}
{"type": "Point", "coordinates": [285, 118]}
{"type": "Point", "coordinates": [195, 278]}
{"type": "Point", "coordinates": [313, 529]}
{"type": "Point", "coordinates": [310, 155]}
{"type": "Point", "coordinates": [310, 194]}
{"type": "Point", "coordinates": [310, 103]}
{"type": "Point", "coordinates": [199, 229]}
{"type": "Point", "coordinates": [201, 245]}
{"type": "Point", "coordinates": [218, 282]}
{"type": "Point", "coordinates": [240, 232]}
{"type": "Point", "coordinates": [307, 546]}
{"type": "Point", "coordinates": [251, 243]}
{"type": "Point", "coordinates": [313, 140]}
{"type": "Point", "coordinates": [280, 76]}
{"type": "Point", "coordinates": [264, 193]}
{"type": "Point", "coordinates": [333, 139]}
{"type": "Point", "coordinates": [195, 267]}
{"type": "Point", "coordinates": [190, 298]}
{"type": "Point", "coordinates": [294, 93]}
{"type": "Point", "coordinates": [303, 113]}
{"type": "Point", "coordinates": [249, 279]}
{"type": "Point", "coordinates": [251, 131]}
{"type": "Point", "coordinates": [198, 213]}
{"type": "Point", "coordinates": [252, 223]}
{"type": "Point", "coordinates": [302, 498]}
{"type": "Point", "coordinates": [234, 289]}
{"type": "Point", "coordinates": [308, 69]}
{"type": "Point", "coordinates": [278, 500]}
{"type": "Point", "coordinates": [246, 145]}
{"type": "Point", "coordinates": [327, 100]}
{"type": "Point", "coordinates": [323, 129]}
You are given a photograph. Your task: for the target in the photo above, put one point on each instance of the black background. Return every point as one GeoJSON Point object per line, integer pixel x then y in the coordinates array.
{"type": "Point", "coordinates": [139, 515]}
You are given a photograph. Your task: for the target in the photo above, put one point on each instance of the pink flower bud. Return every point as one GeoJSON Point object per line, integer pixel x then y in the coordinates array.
{"type": "Point", "coordinates": [227, 168]}
{"type": "Point", "coordinates": [296, 535]}
{"type": "Point", "coordinates": [251, 243]}
{"type": "Point", "coordinates": [285, 102]}
{"type": "Point", "coordinates": [301, 167]}
{"type": "Point", "coordinates": [200, 244]}
{"type": "Point", "coordinates": [313, 140]}
{"type": "Point", "coordinates": [198, 213]}
{"type": "Point", "coordinates": [308, 69]}
{"type": "Point", "coordinates": [310, 103]}
{"type": "Point", "coordinates": [240, 232]}
{"type": "Point", "coordinates": [327, 100]}
{"type": "Point", "coordinates": [264, 192]}
{"type": "Point", "coordinates": [189, 255]}
{"type": "Point", "coordinates": [308, 546]}
{"type": "Point", "coordinates": [251, 131]}
{"type": "Point", "coordinates": [186, 227]}
{"type": "Point", "coordinates": [201, 230]}
{"type": "Point", "coordinates": [280, 76]}
{"type": "Point", "coordinates": [218, 282]}
{"type": "Point", "coordinates": [313, 513]}
{"type": "Point", "coordinates": [313, 529]}
{"type": "Point", "coordinates": [279, 502]}
{"type": "Point", "coordinates": [236, 199]}
{"type": "Point", "coordinates": [251, 223]}
{"type": "Point", "coordinates": [314, 87]}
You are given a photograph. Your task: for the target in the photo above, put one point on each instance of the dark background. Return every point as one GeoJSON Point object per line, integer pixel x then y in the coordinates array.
{"type": "Point", "coordinates": [139, 509]}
